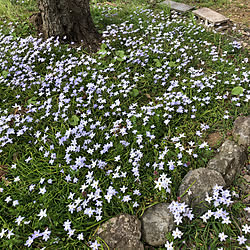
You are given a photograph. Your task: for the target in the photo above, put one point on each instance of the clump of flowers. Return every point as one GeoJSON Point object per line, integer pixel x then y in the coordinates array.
{"type": "Point", "coordinates": [219, 197]}
{"type": "Point", "coordinates": [180, 210]}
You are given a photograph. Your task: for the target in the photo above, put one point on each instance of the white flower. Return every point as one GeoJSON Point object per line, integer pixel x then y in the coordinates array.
{"type": "Point", "coordinates": [42, 190]}
{"type": "Point", "coordinates": [177, 233]}
{"type": "Point", "coordinates": [178, 219]}
{"type": "Point", "coordinates": [42, 214]}
{"type": "Point", "coordinates": [19, 219]}
{"type": "Point", "coordinates": [15, 202]}
{"type": "Point", "coordinates": [3, 232]}
{"type": "Point", "coordinates": [158, 184]}
{"type": "Point", "coordinates": [71, 232]}
{"type": "Point", "coordinates": [208, 198]}
{"type": "Point", "coordinates": [210, 213]}
{"type": "Point", "coordinates": [8, 199]}
{"type": "Point", "coordinates": [222, 236]}
{"type": "Point", "coordinates": [226, 221]}
{"type": "Point", "coordinates": [246, 229]}
{"type": "Point", "coordinates": [80, 236]}
{"type": "Point", "coordinates": [10, 233]}
{"type": "Point", "coordinates": [204, 217]}
{"type": "Point", "coordinates": [241, 240]}
{"type": "Point", "coordinates": [169, 246]}
{"type": "Point", "coordinates": [66, 225]}
{"type": "Point", "coordinates": [16, 179]}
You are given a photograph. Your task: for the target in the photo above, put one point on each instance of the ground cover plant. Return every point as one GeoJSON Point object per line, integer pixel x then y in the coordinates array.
{"type": "Point", "coordinates": [84, 137]}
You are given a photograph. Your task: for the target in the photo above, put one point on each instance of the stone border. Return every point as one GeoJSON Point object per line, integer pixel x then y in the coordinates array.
{"type": "Point", "coordinates": [124, 231]}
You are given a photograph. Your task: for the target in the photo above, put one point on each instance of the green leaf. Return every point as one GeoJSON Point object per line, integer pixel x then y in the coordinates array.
{"type": "Point", "coordinates": [121, 55]}
{"type": "Point", "coordinates": [171, 64]}
{"type": "Point", "coordinates": [237, 91]}
{"type": "Point", "coordinates": [4, 74]}
{"type": "Point", "coordinates": [74, 120]}
{"type": "Point", "coordinates": [134, 92]}
{"type": "Point", "coordinates": [32, 100]}
{"type": "Point", "coordinates": [103, 51]}
{"type": "Point", "coordinates": [104, 46]}
{"type": "Point", "coordinates": [157, 63]}
{"type": "Point", "coordinates": [133, 119]}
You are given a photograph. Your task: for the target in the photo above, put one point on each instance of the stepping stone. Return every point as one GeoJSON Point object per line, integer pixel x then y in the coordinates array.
{"type": "Point", "coordinates": [180, 7]}
{"type": "Point", "coordinates": [211, 17]}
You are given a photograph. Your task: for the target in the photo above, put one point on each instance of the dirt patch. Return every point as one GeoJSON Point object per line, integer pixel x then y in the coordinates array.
{"type": "Point", "coordinates": [239, 13]}
{"type": "Point", "coordinates": [237, 10]}
{"type": "Point", "coordinates": [214, 139]}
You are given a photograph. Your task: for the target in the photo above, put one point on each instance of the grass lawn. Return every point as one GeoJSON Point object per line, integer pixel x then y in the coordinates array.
{"type": "Point", "coordinates": [84, 137]}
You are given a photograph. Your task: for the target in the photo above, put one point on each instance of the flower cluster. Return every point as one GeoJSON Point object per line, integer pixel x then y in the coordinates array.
{"type": "Point", "coordinates": [220, 197]}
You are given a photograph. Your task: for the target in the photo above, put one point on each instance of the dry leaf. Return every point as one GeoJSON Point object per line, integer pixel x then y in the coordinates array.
{"type": "Point", "coordinates": [15, 156]}
{"type": "Point", "coordinates": [6, 182]}
{"type": "Point", "coordinates": [3, 171]}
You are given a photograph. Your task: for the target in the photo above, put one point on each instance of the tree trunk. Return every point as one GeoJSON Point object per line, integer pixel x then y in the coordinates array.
{"type": "Point", "coordinates": [70, 20]}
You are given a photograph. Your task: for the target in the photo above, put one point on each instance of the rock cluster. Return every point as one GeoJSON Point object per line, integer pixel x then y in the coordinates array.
{"type": "Point", "coordinates": [125, 231]}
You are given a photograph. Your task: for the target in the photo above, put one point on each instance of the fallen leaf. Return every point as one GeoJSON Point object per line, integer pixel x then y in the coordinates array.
{"type": "Point", "coordinates": [6, 182]}
{"type": "Point", "coordinates": [15, 156]}
{"type": "Point", "coordinates": [3, 171]}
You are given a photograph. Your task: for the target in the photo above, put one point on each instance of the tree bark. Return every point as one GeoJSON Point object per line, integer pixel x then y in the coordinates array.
{"type": "Point", "coordinates": [70, 20]}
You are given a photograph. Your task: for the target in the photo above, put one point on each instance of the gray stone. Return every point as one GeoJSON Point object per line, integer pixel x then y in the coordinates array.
{"type": "Point", "coordinates": [241, 130]}
{"type": "Point", "coordinates": [180, 7]}
{"type": "Point", "coordinates": [210, 16]}
{"type": "Point", "coordinates": [122, 232]}
{"type": "Point", "coordinates": [229, 161]}
{"type": "Point", "coordinates": [203, 181]}
{"type": "Point", "coordinates": [157, 221]}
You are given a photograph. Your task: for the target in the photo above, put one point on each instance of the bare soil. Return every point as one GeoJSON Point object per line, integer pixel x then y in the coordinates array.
{"type": "Point", "coordinates": [237, 10]}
